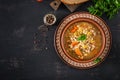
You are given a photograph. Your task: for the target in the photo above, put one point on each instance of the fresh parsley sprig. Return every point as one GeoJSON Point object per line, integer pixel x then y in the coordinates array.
{"type": "Point", "coordinates": [108, 7]}
{"type": "Point", "coordinates": [82, 37]}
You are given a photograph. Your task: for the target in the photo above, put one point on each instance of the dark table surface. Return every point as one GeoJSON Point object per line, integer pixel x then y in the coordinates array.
{"type": "Point", "coordinates": [19, 58]}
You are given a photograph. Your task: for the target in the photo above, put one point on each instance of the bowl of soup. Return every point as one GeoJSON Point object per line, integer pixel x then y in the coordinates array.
{"type": "Point", "coordinates": [82, 40]}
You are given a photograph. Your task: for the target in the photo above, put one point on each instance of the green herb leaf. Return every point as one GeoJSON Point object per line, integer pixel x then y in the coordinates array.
{"type": "Point", "coordinates": [109, 7]}
{"type": "Point", "coordinates": [82, 37]}
{"type": "Point", "coordinates": [97, 60]}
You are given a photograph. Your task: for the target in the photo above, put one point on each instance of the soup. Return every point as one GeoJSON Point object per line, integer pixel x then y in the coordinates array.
{"type": "Point", "coordinates": [82, 40]}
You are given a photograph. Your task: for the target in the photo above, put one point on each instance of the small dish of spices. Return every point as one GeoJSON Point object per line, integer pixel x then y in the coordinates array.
{"type": "Point", "coordinates": [49, 19]}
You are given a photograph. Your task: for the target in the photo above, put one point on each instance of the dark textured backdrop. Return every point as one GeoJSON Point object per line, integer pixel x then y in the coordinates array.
{"type": "Point", "coordinates": [19, 60]}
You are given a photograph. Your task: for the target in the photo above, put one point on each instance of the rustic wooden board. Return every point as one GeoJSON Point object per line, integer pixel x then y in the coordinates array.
{"type": "Point", "coordinates": [56, 3]}
{"type": "Point", "coordinates": [72, 7]}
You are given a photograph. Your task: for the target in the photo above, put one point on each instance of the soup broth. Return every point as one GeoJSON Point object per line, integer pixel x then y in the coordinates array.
{"type": "Point", "coordinates": [82, 40]}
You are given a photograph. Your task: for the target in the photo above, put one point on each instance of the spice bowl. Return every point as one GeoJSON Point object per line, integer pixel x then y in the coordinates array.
{"type": "Point", "coordinates": [49, 19]}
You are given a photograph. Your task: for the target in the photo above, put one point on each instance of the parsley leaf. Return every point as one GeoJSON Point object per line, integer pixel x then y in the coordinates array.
{"type": "Point", "coordinates": [97, 60]}
{"type": "Point", "coordinates": [82, 37]}
{"type": "Point", "coordinates": [108, 7]}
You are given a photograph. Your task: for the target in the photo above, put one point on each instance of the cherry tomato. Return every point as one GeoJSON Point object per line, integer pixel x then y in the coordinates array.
{"type": "Point", "coordinates": [39, 1]}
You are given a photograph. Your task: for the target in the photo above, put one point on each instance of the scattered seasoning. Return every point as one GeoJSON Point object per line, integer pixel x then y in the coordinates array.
{"type": "Point", "coordinates": [46, 48]}
{"type": "Point", "coordinates": [97, 60]}
{"type": "Point", "coordinates": [39, 1]}
{"type": "Point", "coordinates": [43, 29]}
{"type": "Point", "coordinates": [39, 39]}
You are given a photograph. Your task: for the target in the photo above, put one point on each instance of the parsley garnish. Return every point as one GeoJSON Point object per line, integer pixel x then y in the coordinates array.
{"type": "Point", "coordinates": [97, 60]}
{"type": "Point", "coordinates": [82, 37]}
{"type": "Point", "coordinates": [108, 7]}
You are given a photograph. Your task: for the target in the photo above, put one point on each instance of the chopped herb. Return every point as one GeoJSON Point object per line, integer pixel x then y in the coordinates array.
{"type": "Point", "coordinates": [97, 60]}
{"type": "Point", "coordinates": [82, 37]}
{"type": "Point", "coordinates": [108, 7]}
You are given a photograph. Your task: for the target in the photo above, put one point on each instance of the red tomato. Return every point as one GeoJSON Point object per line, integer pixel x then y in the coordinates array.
{"type": "Point", "coordinates": [39, 1]}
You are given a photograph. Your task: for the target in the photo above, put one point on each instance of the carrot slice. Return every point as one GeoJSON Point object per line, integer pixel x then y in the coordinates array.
{"type": "Point", "coordinates": [78, 52]}
{"type": "Point", "coordinates": [74, 29]}
{"type": "Point", "coordinates": [74, 43]}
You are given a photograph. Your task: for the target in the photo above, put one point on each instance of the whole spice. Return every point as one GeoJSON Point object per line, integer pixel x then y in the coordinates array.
{"type": "Point", "coordinates": [49, 19]}
{"type": "Point", "coordinates": [108, 7]}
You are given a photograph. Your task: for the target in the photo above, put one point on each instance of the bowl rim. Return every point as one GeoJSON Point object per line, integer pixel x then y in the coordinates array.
{"type": "Point", "coordinates": [78, 67]}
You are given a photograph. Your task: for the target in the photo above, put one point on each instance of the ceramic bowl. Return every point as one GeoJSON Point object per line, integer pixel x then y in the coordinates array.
{"type": "Point", "coordinates": [80, 17]}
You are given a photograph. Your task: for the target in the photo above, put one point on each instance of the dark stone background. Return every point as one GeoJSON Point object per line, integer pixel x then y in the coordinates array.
{"type": "Point", "coordinates": [19, 60]}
